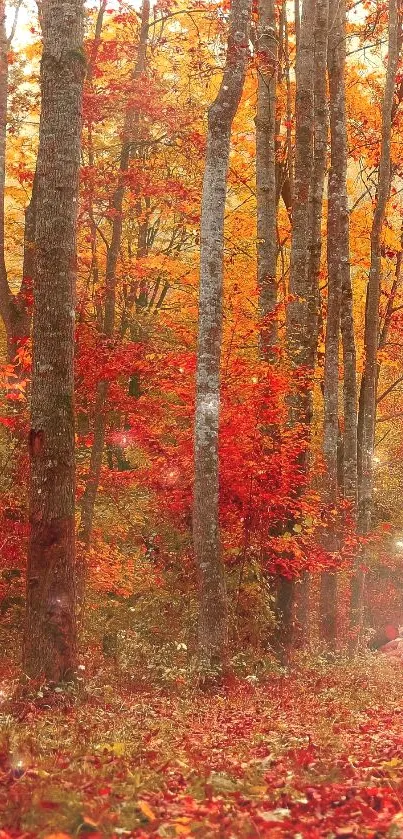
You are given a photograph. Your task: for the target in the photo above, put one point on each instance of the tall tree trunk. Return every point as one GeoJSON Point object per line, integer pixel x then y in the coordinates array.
{"type": "Point", "coordinates": [368, 395]}
{"type": "Point", "coordinates": [298, 310]}
{"type": "Point", "coordinates": [339, 314]}
{"type": "Point", "coordinates": [328, 590]}
{"type": "Point", "coordinates": [318, 180]}
{"type": "Point", "coordinates": [266, 176]}
{"type": "Point", "coordinates": [339, 247]}
{"type": "Point", "coordinates": [129, 132]}
{"type": "Point", "coordinates": [213, 622]}
{"type": "Point", "coordinates": [50, 632]}
{"type": "Point", "coordinates": [320, 137]}
{"type": "Point", "coordinates": [270, 178]}
{"type": "Point", "coordinates": [299, 336]}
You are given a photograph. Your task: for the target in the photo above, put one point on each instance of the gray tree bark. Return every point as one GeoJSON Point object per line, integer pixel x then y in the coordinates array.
{"type": "Point", "coordinates": [50, 631]}
{"type": "Point", "coordinates": [338, 265]}
{"type": "Point", "coordinates": [213, 621]}
{"type": "Point", "coordinates": [339, 250]}
{"type": "Point", "coordinates": [266, 175]}
{"type": "Point", "coordinates": [299, 335]}
{"type": "Point", "coordinates": [320, 143]}
{"type": "Point", "coordinates": [368, 394]}
{"type": "Point", "coordinates": [300, 342]}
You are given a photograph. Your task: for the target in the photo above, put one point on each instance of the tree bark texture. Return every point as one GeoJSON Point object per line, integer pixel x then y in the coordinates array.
{"type": "Point", "coordinates": [299, 334]}
{"type": "Point", "coordinates": [339, 248]}
{"type": "Point", "coordinates": [368, 391]}
{"type": "Point", "coordinates": [335, 256]}
{"type": "Point", "coordinates": [213, 621]}
{"type": "Point", "coordinates": [300, 340]}
{"type": "Point", "coordinates": [320, 142]}
{"type": "Point", "coordinates": [50, 632]}
{"type": "Point", "coordinates": [320, 138]}
{"type": "Point", "coordinates": [368, 401]}
{"type": "Point", "coordinates": [266, 176]}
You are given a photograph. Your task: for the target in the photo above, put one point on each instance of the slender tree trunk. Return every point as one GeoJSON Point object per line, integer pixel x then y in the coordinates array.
{"type": "Point", "coordinates": [283, 154]}
{"type": "Point", "coordinates": [339, 246]}
{"type": "Point", "coordinates": [331, 536]}
{"type": "Point", "coordinates": [50, 632]}
{"type": "Point", "coordinates": [319, 168]}
{"type": "Point", "coordinates": [287, 69]}
{"type": "Point", "coordinates": [368, 407]}
{"type": "Point", "coordinates": [320, 139]}
{"type": "Point", "coordinates": [368, 394]}
{"type": "Point", "coordinates": [298, 310]}
{"type": "Point", "coordinates": [299, 334]}
{"type": "Point", "coordinates": [270, 177]}
{"type": "Point", "coordinates": [337, 254]}
{"type": "Point", "coordinates": [129, 132]}
{"type": "Point", "coordinates": [266, 176]}
{"type": "Point", "coordinates": [328, 590]}
{"type": "Point", "coordinates": [373, 291]}
{"type": "Point", "coordinates": [213, 622]}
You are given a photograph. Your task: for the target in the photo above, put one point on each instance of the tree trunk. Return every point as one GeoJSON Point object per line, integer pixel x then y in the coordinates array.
{"type": "Point", "coordinates": [335, 257]}
{"type": "Point", "coordinates": [97, 451]}
{"type": "Point", "coordinates": [299, 335]}
{"type": "Point", "coordinates": [368, 394]}
{"type": "Point", "coordinates": [266, 176]}
{"type": "Point", "coordinates": [213, 622]}
{"type": "Point", "coordinates": [298, 327]}
{"type": "Point", "coordinates": [339, 247]}
{"type": "Point", "coordinates": [368, 407]}
{"type": "Point", "coordinates": [373, 291]}
{"type": "Point", "coordinates": [50, 632]}
{"type": "Point", "coordinates": [319, 168]}
{"type": "Point", "coordinates": [320, 138]}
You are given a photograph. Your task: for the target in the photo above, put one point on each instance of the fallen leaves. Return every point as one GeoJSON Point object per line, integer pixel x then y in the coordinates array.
{"type": "Point", "coordinates": [146, 810]}
{"type": "Point", "coordinates": [308, 755]}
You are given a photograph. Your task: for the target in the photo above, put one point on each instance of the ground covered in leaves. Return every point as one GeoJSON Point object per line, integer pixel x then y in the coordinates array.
{"type": "Point", "coordinates": [316, 752]}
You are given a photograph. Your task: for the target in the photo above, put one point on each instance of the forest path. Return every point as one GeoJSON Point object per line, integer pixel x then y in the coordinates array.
{"type": "Point", "coordinates": [317, 753]}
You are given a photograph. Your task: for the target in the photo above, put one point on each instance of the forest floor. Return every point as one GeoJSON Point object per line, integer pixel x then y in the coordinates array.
{"type": "Point", "coordinates": [316, 752]}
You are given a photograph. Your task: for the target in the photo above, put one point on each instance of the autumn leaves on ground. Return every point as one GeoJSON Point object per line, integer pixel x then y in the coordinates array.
{"type": "Point", "coordinates": [316, 753]}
